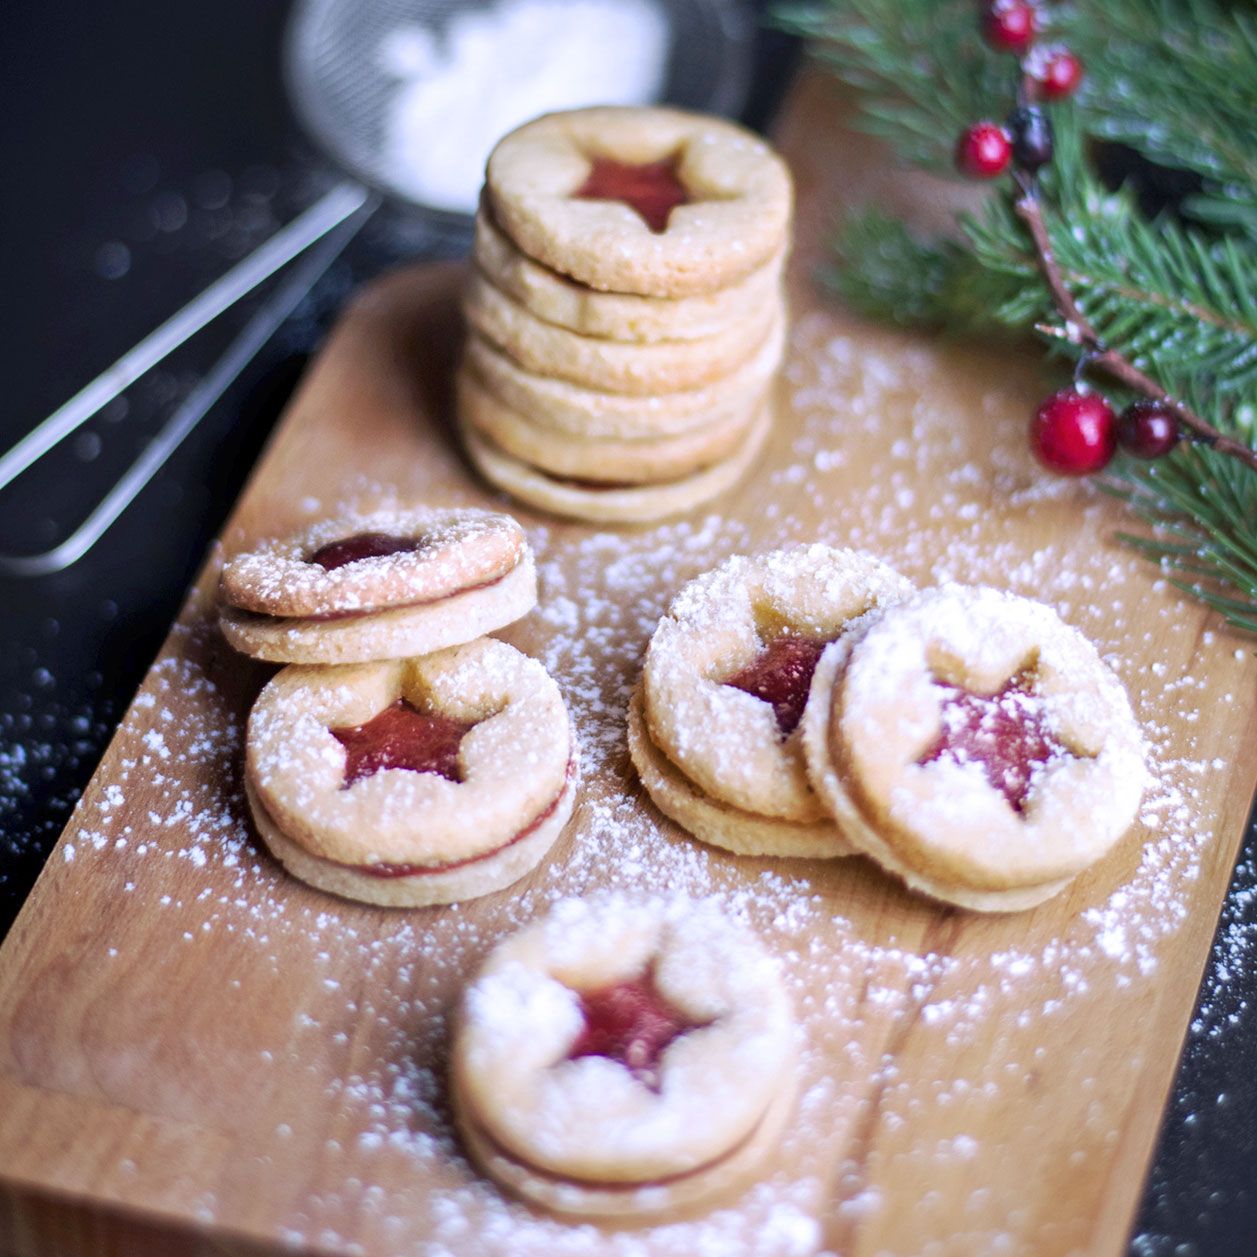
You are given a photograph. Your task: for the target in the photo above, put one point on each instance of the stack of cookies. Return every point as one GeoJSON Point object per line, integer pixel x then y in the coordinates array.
{"type": "Point", "coordinates": [402, 758]}
{"type": "Point", "coordinates": [625, 311]}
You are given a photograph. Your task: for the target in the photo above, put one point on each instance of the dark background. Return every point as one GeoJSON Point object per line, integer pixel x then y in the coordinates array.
{"type": "Point", "coordinates": [144, 146]}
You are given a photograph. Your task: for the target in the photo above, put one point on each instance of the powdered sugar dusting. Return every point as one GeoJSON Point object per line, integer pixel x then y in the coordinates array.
{"type": "Point", "coordinates": [922, 1032]}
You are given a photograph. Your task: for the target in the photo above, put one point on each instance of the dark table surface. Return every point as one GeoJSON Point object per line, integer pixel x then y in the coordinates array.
{"type": "Point", "coordinates": [144, 146]}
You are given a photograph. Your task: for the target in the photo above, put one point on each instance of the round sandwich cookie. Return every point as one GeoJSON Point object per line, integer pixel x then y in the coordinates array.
{"type": "Point", "coordinates": [578, 411]}
{"type": "Point", "coordinates": [609, 501]}
{"type": "Point", "coordinates": [624, 1059]}
{"type": "Point", "coordinates": [619, 316]}
{"type": "Point", "coordinates": [412, 781]}
{"type": "Point", "coordinates": [713, 728]}
{"type": "Point", "coordinates": [651, 201]}
{"type": "Point", "coordinates": [976, 746]}
{"type": "Point", "coordinates": [612, 366]}
{"type": "Point", "coordinates": [601, 459]}
{"type": "Point", "coordinates": [380, 585]}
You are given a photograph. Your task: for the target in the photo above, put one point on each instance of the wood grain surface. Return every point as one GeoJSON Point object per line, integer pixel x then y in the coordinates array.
{"type": "Point", "coordinates": [200, 1055]}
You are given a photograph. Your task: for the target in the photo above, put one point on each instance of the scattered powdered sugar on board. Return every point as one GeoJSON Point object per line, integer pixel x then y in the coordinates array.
{"type": "Point", "coordinates": [361, 1059]}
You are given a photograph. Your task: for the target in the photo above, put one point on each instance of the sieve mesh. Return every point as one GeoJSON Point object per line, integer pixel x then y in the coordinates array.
{"type": "Point", "coordinates": [341, 91]}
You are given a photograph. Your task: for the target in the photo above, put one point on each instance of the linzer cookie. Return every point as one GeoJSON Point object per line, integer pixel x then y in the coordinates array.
{"type": "Point", "coordinates": [624, 1059]}
{"type": "Point", "coordinates": [383, 585]}
{"type": "Point", "coordinates": [656, 202]}
{"type": "Point", "coordinates": [974, 745]}
{"type": "Point", "coordinates": [412, 781]}
{"type": "Point", "coordinates": [713, 727]}
{"type": "Point", "coordinates": [627, 287]}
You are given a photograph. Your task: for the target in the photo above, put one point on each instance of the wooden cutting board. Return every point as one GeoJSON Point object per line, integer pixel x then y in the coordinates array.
{"type": "Point", "coordinates": [198, 1054]}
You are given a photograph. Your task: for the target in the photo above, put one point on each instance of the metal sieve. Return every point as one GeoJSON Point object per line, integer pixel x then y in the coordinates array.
{"type": "Point", "coordinates": [340, 93]}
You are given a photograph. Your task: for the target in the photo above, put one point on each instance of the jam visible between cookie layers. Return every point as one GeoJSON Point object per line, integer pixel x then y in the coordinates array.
{"type": "Point", "coordinates": [630, 1022]}
{"type": "Point", "coordinates": [363, 545]}
{"type": "Point", "coordinates": [619, 486]}
{"type": "Point", "coordinates": [652, 190]}
{"type": "Point", "coordinates": [389, 871]}
{"type": "Point", "coordinates": [1006, 733]}
{"type": "Point", "coordinates": [402, 736]}
{"type": "Point", "coordinates": [781, 674]}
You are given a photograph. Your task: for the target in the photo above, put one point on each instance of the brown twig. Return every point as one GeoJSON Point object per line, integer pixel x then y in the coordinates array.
{"type": "Point", "coordinates": [1079, 331]}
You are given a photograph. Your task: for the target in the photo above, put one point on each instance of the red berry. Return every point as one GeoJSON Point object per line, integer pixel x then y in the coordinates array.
{"type": "Point", "coordinates": [1059, 74]}
{"type": "Point", "coordinates": [1010, 25]}
{"type": "Point", "coordinates": [1074, 433]}
{"type": "Point", "coordinates": [1147, 429]}
{"type": "Point", "coordinates": [983, 151]}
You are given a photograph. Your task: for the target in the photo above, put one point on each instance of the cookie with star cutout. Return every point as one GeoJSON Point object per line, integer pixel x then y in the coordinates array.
{"type": "Point", "coordinates": [714, 726]}
{"type": "Point", "coordinates": [974, 745]}
{"type": "Point", "coordinates": [412, 781]}
{"type": "Point", "coordinates": [649, 201]}
{"type": "Point", "coordinates": [624, 1059]}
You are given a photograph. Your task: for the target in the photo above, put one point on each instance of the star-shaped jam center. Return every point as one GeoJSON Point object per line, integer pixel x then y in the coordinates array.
{"type": "Point", "coordinates": [781, 674]}
{"type": "Point", "coordinates": [402, 736]}
{"type": "Point", "coordinates": [1006, 733]}
{"type": "Point", "coordinates": [363, 545]}
{"type": "Point", "coordinates": [651, 189]}
{"type": "Point", "coordinates": [631, 1023]}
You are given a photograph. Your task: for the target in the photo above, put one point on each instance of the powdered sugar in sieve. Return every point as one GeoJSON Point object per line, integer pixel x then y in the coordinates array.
{"type": "Point", "coordinates": [461, 90]}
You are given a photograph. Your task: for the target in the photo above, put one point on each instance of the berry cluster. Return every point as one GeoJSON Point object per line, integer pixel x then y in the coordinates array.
{"type": "Point", "coordinates": [1073, 432]}
{"type": "Point", "coordinates": [1024, 141]}
{"type": "Point", "coordinates": [1076, 433]}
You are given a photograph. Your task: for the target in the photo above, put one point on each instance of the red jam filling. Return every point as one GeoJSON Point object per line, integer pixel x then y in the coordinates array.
{"type": "Point", "coordinates": [609, 486]}
{"type": "Point", "coordinates": [363, 545]}
{"type": "Point", "coordinates": [402, 736]}
{"type": "Point", "coordinates": [652, 190]}
{"type": "Point", "coordinates": [781, 674]}
{"type": "Point", "coordinates": [596, 486]}
{"type": "Point", "coordinates": [631, 1023]}
{"type": "Point", "coordinates": [1006, 733]}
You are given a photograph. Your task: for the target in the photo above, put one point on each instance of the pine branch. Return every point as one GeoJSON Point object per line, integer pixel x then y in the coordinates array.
{"type": "Point", "coordinates": [1201, 506]}
{"type": "Point", "coordinates": [1096, 353]}
{"type": "Point", "coordinates": [1166, 308]}
{"type": "Point", "coordinates": [1174, 301]}
{"type": "Point", "coordinates": [1169, 295]}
